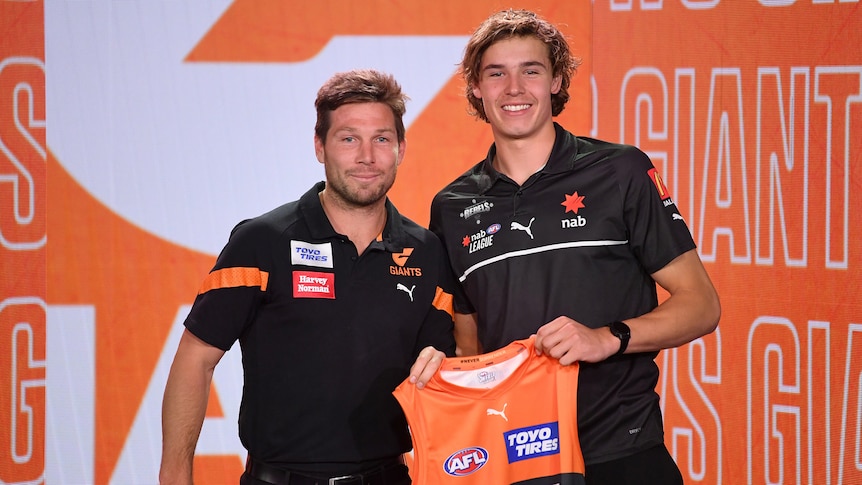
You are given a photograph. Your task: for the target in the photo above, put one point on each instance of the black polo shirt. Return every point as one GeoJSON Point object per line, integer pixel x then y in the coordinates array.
{"type": "Point", "coordinates": [326, 334]}
{"type": "Point", "coordinates": [579, 238]}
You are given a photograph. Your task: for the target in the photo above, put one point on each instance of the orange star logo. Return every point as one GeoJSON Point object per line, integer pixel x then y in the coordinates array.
{"type": "Point", "coordinates": [573, 202]}
{"type": "Point", "coordinates": [466, 241]}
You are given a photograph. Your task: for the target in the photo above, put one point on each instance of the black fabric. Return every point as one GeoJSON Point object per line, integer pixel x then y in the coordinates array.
{"type": "Point", "coordinates": [579, 238]}
{"type": "Point", "coordinates": [651, 466]}
{"type": "Point", "coordinates": [393, 473]}
{"type": "Point", "coordinates": [319, 368]}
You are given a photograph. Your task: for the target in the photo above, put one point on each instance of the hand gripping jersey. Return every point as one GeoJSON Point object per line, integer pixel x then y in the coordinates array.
{"type": "Point", "coordinates": [504, 417]}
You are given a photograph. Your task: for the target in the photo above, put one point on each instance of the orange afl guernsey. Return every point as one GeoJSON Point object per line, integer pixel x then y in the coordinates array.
{"type": "Point", "coordinates": [505, 417]}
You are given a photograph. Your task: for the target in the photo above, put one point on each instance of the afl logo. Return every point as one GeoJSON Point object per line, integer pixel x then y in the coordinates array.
{"type": "Point", "coordinates": [466, 461]}
{"type": "Point", "coordinates": [493, 228]}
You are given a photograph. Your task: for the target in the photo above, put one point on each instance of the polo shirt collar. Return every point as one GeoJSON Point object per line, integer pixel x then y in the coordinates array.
{"type": "Point", "coordinates": [393, 237]}
{"type": "Point", "coordinates": [562, 159]}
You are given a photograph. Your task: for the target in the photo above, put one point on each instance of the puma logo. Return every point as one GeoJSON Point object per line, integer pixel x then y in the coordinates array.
{"type": "Point", "coordinates": [405, 290]}
{"type": "Point", "coordinates": [677, 217]}
{"type": "Point", "coordinates": [521, 227]}
{"type": "Point", "coordinates": [501, 413]}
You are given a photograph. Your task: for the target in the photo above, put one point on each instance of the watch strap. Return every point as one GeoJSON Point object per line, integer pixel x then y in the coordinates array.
{"type": "Point", "coordinates": [621, 331]}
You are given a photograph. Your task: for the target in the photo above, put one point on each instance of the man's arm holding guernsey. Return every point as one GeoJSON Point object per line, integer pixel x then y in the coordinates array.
{"type": "Point", "coordinates": [463, 316]}
{"type": "Point", "coordinates": [184, 406]}
{"type": "Point", "coordinates": [466, 335]}
{"type": "Point", "coordinates": [440, 317]}
{"type": "Point", "coordinates": [691, 311]}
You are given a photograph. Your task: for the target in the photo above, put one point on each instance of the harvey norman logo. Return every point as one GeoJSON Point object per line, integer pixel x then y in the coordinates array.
{"type": "Point", "coordinates": [312, 284]}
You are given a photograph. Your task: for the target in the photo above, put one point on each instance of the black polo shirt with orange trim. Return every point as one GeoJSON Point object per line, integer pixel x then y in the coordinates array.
{"type": "Point", "coordinates": [579, 238]}
{"type": "Point", "coordinates": [326, 334]}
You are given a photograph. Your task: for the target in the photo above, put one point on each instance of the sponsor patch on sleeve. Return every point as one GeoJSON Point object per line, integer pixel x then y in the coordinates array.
{"type": "Point", "coordinates": [308, 254]}
{"type": "Point", "coordinates": [532, 442]}
{"type": "Point", "coordinates": [312, 284]}
{"type": "Point", "coordinates": [659, 183]}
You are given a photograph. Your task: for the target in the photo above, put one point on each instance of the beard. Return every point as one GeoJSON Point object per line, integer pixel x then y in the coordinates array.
{"type": "Point", "coordinates": [358, 194]}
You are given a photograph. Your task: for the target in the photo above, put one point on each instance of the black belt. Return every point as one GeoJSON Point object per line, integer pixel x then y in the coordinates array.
{"type": "Point", "coordinates": [393, 473]}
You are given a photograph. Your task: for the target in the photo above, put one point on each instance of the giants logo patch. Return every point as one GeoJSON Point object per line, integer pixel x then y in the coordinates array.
{"type": "Point", "coordinates": [311, 284]}
{"type": "Point", "coordinates": [532, 442]}
{"type": "Point", "coordinates": [400, 260]}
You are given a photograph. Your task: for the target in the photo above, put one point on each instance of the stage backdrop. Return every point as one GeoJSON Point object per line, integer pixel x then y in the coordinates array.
{"type": "Point", "coordinates": [135, 134]}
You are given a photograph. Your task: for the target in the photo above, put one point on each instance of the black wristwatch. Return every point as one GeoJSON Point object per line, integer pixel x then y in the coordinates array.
{"type": "Point", "coordinates": [622, 332]}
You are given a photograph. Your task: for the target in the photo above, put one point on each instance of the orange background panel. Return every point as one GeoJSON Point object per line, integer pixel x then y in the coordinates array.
{"type": "Point", "coordinates": [707, 92]}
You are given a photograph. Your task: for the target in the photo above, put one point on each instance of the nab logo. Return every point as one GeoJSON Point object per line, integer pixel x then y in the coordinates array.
{"type": "Point", "coordinates": [466, 461]}
{"type": "Point", "coordinates": [481, 240]}
{"type": "Point", "coordinates": [573, 202]}
{"type": "Point", "coordinates": [579, 221]}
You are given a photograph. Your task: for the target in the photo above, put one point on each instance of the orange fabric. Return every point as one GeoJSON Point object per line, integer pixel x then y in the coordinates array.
{"type": "Point", "coordinates": [233, 277]}
{"type": "Point", "coordinates": [522, 428]}
{"type": "Point", "coordinates": [673, 110]}
{"type": "Point", "coordinates": [443, 301]}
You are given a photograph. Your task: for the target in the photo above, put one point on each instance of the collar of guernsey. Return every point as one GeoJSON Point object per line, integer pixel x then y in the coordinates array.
{"type": "Point", "coordinates": [393, 238]}
{"type": "Point", "coordinates": [562, 159]}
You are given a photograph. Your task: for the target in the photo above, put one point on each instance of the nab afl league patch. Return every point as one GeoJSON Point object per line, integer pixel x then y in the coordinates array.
{"type": "Point", "coordinates": [308, 254]}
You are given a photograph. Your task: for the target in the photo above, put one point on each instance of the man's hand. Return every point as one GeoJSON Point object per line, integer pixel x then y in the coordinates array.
{"type": "Point", "coordinates": [569, 341]}
{"type": "Point", "coordinates": [426, 365]}
{"type": "Point", "coordinates": [691, 311]}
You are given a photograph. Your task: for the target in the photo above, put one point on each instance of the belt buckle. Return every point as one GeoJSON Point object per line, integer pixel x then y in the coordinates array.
{"type": "Point", "coordinates": [344, 479]}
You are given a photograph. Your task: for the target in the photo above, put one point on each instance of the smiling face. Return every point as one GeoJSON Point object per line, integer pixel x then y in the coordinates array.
{"type": "Point", "coordinates": [515, 84]}
{"type": "Point", "coordinates": [360, 154]}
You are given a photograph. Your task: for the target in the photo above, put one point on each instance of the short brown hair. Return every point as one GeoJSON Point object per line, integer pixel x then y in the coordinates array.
{"type": "Point", "coordinates": [518, 23]}
{"type": "Point", "coordinates": [359, 86]}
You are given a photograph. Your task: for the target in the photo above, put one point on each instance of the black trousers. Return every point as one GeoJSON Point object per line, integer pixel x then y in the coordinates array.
{"type": "Point", "coordinates": [653, 466]}
{"type": "Point", "coordinates": [397, 476]}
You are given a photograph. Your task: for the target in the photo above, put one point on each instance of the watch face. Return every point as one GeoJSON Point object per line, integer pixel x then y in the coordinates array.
{"type": "Point", "coordinates": [621, 330]}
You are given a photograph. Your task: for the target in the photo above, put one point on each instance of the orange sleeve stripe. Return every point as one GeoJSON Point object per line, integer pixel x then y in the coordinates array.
{"type": "Point", "coordinates": [443, 301]}
{"type": "Point", "coordinates": [233, 277]}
